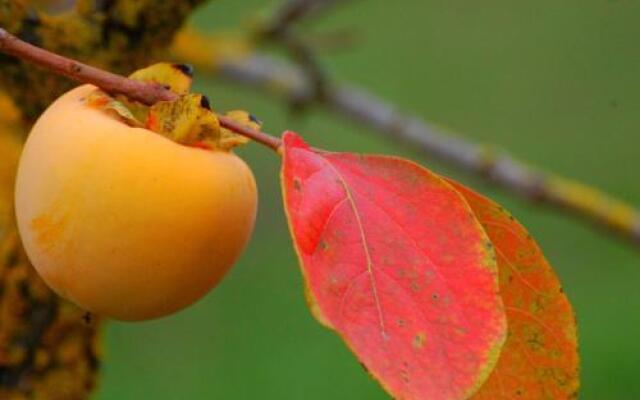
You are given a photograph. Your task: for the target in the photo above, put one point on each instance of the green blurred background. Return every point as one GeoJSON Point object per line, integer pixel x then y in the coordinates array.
{"type": "Point", "coordinates": [557, 83]}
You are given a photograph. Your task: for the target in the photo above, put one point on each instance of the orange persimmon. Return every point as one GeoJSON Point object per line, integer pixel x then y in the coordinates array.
{"type": "Point", "coordinates": [123, 221]}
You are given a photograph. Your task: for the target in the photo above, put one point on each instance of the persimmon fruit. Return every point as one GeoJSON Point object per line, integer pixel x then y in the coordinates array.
{"type": "Point", "coordinates": [123, 221]}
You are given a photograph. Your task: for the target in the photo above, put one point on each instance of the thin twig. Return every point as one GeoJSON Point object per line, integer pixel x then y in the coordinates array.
{"type": "Point", "coordinates": [145, 93]}
{"type": "Point", "coordinates": [293, 11]}
{"type": "Point", "coordinates": [263, 138]}
{"type": "Point", "coordinates": [308, 62]}
{"type": "Point", "coordinates": [281, 78]}
{"type": "Point", "coordinates": [111, 83]}
{"type": "Point", "coordinates": [280, 30]}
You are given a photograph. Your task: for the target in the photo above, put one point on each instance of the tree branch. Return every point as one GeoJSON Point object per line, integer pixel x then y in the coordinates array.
{"type": "Point", "coordinates": [145, 93]}
{"type": "Point", "coordinates": [277, 77]}
{"type": "Point", "coordinates": [112, 83]}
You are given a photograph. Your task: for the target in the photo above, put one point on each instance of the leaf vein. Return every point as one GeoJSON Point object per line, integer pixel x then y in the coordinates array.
{"type": "Point", "coordinates": [365, 246]}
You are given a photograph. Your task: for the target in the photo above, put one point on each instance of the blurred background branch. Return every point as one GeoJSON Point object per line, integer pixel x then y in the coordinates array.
{"type": "Point", "coordinates": [291, 12]}
{"type": "Point", "coordinates": [304, 83]}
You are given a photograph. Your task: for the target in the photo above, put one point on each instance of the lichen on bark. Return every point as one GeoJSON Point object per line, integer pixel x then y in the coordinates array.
{"type": "Point", "coordinates": [120, 36]}
{"type": "Point", "coordinates": [46, 349]}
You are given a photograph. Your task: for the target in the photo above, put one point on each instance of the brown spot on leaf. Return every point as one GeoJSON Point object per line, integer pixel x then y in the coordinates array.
{"type": "Point", "coordinates": [297, 185]}
{"type": "Point", "coordinates": [419, 340]}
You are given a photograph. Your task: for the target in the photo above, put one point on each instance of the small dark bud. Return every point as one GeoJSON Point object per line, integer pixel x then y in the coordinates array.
{"type": "Point", "coordinates": [255, 119]}
{"type": "Point", "coordinates": [186, 69]}
{"type": "Point", "coordinates": [204, 102]}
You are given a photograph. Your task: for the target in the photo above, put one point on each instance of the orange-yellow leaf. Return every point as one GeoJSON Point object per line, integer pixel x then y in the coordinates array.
{"type": "Point", "coordinates": [539, 360]}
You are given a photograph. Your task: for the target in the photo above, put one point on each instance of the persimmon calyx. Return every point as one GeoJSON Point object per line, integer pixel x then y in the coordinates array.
{"type": "Point", "coordinates": [188, 120]}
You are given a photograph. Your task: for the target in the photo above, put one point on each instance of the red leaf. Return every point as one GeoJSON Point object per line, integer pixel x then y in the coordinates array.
{"type": "Point", "coordinates": [395, 261]}
{"type": "Point", "coordinates": [539, 360]}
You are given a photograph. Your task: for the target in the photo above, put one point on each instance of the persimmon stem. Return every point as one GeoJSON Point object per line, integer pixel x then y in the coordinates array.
{"type": "Point", "coordinates": [145, 93]}
{"type": "Point", "coordinates": [258, 136]}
